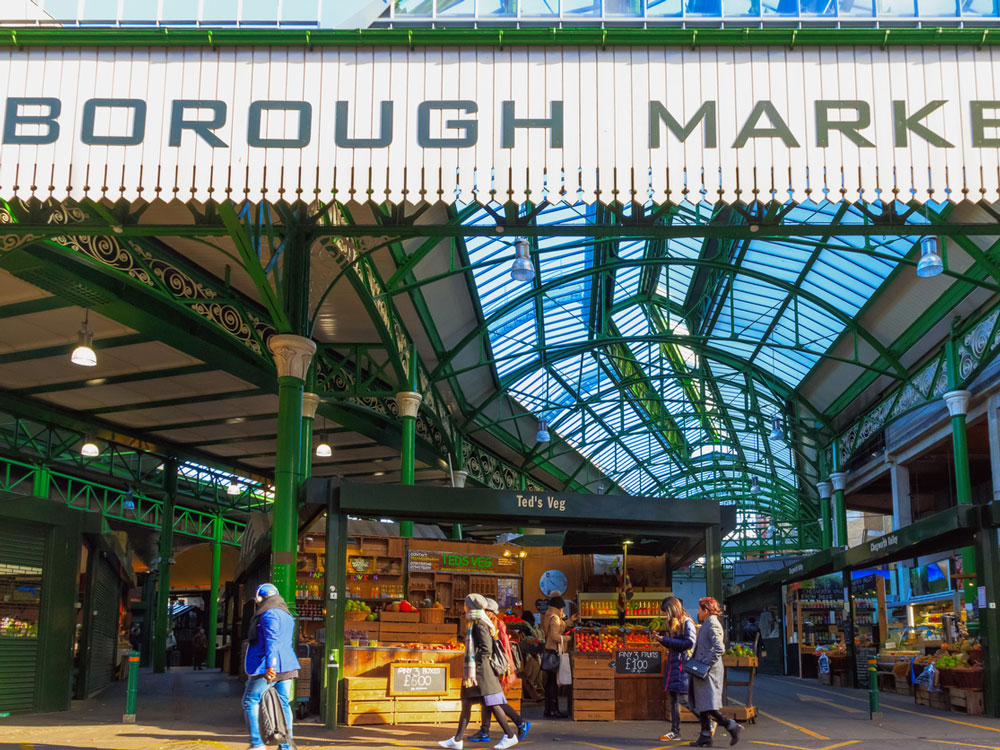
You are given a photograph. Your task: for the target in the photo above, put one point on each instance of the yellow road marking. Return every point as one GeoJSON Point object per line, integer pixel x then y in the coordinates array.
{"type": "Point", "coordinates": [796, 747]}
{"type": "Point", "coordinates": [772, 717]}
{"type": "Point", "coordinates": [828, 702]}
{"type": "Point", "coordinates": [26, 746]}
{"type": "Point", "coordinates": [603, 747]}
{"type": "Point", "coordinates": [885, 706]}
{"type": "Point", "coordinates": [963, 744]}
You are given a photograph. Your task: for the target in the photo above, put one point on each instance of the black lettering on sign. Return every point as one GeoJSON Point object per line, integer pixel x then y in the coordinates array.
{"type": "Point", "coordinates": [418, 679]}
{"type": "Point", "coordinates": [639, 662]}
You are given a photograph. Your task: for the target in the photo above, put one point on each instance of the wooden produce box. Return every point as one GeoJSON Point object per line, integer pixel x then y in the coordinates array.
{"type": "Point", "coordinates": [367, 701]}
{"type": "Point", "coordinates": [903, 685]}
{"type": "Point", "coordinates": [413, 617]}
{"type": "Point", "coordinates": [445, 628]}
{"type": "Point", "coordinates": [744, 662]}
{"type": "Point", "coordinates": [969, 701]}
{"type": "Point", "coordinates": [371, 628]}
{"type": "Point", "coordinates": [399, 632]}
{"type": "Point", "coordinates": [593, 687]}
{"type": "Point", "coordinates": [938, 700]}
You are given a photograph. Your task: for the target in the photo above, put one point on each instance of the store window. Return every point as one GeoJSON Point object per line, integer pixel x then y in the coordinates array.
{"type": "Point", "coordinates": [20, 600]}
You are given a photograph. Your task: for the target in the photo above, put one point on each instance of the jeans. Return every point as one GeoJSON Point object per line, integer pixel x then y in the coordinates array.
{"type": "Point", "coordinates": [551, 690]}
{"type": "Point", "coordinates": [255, 689]}
{"type": "Point", "coordinates": [674, 699]}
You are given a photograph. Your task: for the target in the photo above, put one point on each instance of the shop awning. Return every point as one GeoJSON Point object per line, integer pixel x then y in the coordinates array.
{"type": "Point", "coordinates": [481, 124]}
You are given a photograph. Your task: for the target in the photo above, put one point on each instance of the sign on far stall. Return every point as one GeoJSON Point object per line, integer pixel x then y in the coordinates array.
{"type": "Point", "coordinates": [639, 662]}
{"type": "Point", "coordinates": [425, 561]}
{"type": "Point", "coordinates": [418, 679]}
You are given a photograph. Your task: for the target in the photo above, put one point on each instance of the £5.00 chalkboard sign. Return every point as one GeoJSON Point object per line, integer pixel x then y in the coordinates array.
{"type": "Point", "coordinates": [639, 662]}
{"type": "Point", "coordinates": [418, 679]}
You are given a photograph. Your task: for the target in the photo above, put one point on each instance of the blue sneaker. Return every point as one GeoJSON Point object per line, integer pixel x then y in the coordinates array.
{"type": "Point", "coordinates": [522, 729]}
{"type": "Point", "coordinates": [480, 736]}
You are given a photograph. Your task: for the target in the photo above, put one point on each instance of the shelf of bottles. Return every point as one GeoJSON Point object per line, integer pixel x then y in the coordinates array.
{"type": "Point", "coordinates": [605, 606]}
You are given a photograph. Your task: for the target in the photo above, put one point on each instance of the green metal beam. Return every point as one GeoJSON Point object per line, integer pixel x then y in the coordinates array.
{"type": "Point", "coordinates": [132, 377]}
{"type": "Point", "coordinates": [64, 350]}
{"type": "Point", "coordinates": [32, 306]}
{"type": "Point", "coordinates": [19, 37]}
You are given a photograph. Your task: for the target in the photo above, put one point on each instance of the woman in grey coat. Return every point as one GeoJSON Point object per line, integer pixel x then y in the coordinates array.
{"type": "Point", "coordinates": [708, 649]}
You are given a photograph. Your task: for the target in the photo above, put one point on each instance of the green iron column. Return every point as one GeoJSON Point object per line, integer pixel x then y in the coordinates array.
{"type": "Point", "coordinates": [292, 356]}
{"type": "Point", "coordinates": [713, 562]}
{"type": "Point", "coordinates": [310, 403]}
{"type": "Point", "coordinates": [408, 404]}
{"type": "Point", "coordinates": [213, 592]}
{"type": "Point", "coordinates": [958, 406]}
{"type": "Point", "coordinates": [42, 482]}
{"type": "Point", "coordinates": [162, 616]}
{"type": "Point", "coordinates": [988, 562]}
{"type": "Point", "coordinates": [456, 528]}
{"type": "Point", "coordinates": [839, 481]}
{"type": "Point", "coordinates": [825, 519]}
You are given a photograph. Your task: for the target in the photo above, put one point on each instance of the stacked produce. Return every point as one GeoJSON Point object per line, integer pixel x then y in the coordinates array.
{"type": "Point", "coordinates": [607, 640]}
{"type": "Point", "coordinates": [353, 605]}
{"type": "Point", "coordinates": [400, 606]}
{"type": "Point", "coordinates": [738, 649]}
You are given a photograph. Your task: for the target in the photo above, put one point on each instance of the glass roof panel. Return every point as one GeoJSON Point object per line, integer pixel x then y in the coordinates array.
{"type": "Point", "coordinates": [675, 392]}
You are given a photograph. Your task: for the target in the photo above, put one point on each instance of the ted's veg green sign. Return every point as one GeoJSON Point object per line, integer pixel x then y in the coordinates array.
{"type": "Point", "coordinates": [449, 562]}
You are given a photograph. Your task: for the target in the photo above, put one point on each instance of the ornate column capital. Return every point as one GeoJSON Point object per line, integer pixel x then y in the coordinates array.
{"type": "Point", "coordinates": [408, 403]}
{"type": "Point", "coordinates": [310, 403]}
{"type": "Point", "coordinates": [292, 354]}
{"type": "Point", "coordinates": [825, 489]}
{"type": "Point", "coordinates": [839, 480]}
{"type": "Point", "coordinates": [957, 402]}
{"type": "Point", "coordinates": [460, 476]}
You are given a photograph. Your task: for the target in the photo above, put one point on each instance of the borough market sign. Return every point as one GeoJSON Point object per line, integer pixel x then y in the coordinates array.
{"type": "Point", "coordinates": [477, 124]}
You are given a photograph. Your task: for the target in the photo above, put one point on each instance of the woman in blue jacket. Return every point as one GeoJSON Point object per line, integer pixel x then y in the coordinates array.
{"type": "Point", "coordinates": [679, 640]}
{"type": "Point", "coordinates": [270, 659]}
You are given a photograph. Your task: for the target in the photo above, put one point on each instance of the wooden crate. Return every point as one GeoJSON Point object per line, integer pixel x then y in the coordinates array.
{"type": "Point", "coordinates": [370, 712]}
{"type": "Point", "coordinates": [824, 679]}
{"type": "Point", "coordinates": [608, 715]}
{"type": "Point", "coordinates": [744, 662]}
{"type": "Point", "coordinates": [967, 701]}
{"type": "Point", "coordinates": [903, 685]}
{"type": "Point", "coordinates": [413, 617]}
{"type": "Point", "coordinates": [739, 713]}
{"type": "Point", "coordinates": [446, 628]}
{"type": "Point", "coordinates": [938, 700]}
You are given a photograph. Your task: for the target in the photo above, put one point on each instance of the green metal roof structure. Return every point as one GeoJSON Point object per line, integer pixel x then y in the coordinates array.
{"type": "Point", "coordinates": [666, 346]}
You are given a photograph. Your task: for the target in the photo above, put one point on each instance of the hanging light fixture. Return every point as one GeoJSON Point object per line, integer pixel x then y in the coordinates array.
{"type": "Point", "coordinates": [89, 448]}
{"type": "Point", "coordinates": [323, 450]}
{"type": "Point", "coordinates": [543, 432]}
{"type": "Point", "coordinates": [930, 263]}
{"type": "Point", "coordinates": [128, 503]}
{"type": "Point", "coordinates": [84, 354]}
{"type": "Point", "coordinates": [522, 270]}
{"type": "Point", "coordinates": [755, 486]}
{"type": "Point", "coordinates": [777, 431]}
{"type": "Point", "coordinates": [233, 488]}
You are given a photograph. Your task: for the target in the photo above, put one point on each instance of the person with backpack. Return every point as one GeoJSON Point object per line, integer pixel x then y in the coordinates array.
{"type": "Point", "coordinates": [480, 683]}
{"type": "Point", "coordinates": [270, 661]}
{"type": "Point", "coordinates": [679, 640]}
{"type": "Point", "coordinates": [507, 678]}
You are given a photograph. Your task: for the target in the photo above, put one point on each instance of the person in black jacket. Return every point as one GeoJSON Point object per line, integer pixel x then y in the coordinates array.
{"type": "Point", "coordinates": [480, 684]}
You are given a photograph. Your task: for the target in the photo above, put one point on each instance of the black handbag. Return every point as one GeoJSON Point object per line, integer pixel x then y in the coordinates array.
{"type": "Point", "coordinates": [550, 661]}
{"type": "Point", "coordinates": [696, 668]}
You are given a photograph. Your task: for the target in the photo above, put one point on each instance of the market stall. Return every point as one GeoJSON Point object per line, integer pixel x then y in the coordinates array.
{"type": "Point", "coordinates": [437, 572]}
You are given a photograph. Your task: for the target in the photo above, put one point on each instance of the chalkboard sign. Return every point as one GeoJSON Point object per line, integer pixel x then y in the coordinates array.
{"type": "Point", "coordinates": [639, 662]}
{"type": "Point", "coordinates": [418, 679]}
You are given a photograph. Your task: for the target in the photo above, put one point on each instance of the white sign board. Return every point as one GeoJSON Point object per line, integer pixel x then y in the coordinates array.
{"type": "Point", "coordinates": [480, 123]}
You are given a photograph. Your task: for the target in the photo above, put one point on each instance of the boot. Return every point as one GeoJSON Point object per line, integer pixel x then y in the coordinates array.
{"type": "Point", "coordinates": [734, 730]}
{"type": "Point", "coordinates": [704, 740]}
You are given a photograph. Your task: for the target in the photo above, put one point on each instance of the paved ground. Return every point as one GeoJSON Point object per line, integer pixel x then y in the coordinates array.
{"type": "Point", "coordinates": [186, 710]}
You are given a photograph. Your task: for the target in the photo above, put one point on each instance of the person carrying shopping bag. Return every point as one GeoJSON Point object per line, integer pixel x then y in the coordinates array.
{"type": "Point", "coordinates": [679, 640]}
{"type": "Point", "coordinates": [707, 674]}
{"type": "Point", "coordinates": [480, 684]}
{"type": "Point", "coordinates": [508, 678]}
{"type": "Point", "coordinates": [553, 625]}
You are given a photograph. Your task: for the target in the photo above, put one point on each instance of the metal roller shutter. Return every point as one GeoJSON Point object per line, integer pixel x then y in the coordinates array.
{"type": "Point", "coordinates": [103, 627]}
{"type": "Point", "coordinates": [23, 547]}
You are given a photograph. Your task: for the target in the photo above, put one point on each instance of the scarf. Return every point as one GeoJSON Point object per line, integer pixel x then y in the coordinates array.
{"type": "Point", "coordinates": [469, 667]}
{"type": "Point", "coordinates": [511, 674]}
{"type": "Point", "coordinates": [272, 602]}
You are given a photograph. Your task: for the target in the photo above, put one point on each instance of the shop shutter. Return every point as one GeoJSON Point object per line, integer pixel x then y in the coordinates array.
{"type": "Point", "coordinates": [103, 627]}
{"type": "Point", "coordinates": [20, 545]}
